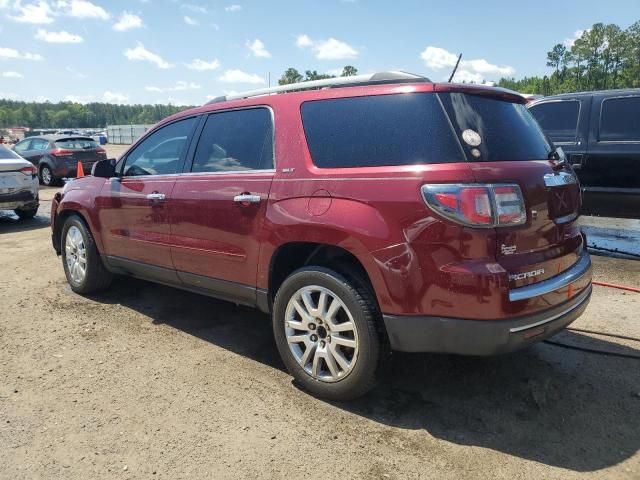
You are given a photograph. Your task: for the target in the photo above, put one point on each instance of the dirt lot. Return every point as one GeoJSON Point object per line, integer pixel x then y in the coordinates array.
{"type": "Point", "coordinates": [149, 382]}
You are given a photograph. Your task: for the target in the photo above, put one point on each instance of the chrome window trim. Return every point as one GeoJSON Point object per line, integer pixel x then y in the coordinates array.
{"type": "Point", "coordinates": [573, 274]}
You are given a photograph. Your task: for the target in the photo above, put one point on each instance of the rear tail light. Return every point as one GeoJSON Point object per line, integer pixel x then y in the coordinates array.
{"type": "Point", "coordinates": [477, 205]}
{"type": "Point", "coordinates": [31, 170]}
{"type": "Point", "coordinates": [101, 151]}
{"type": "Point", "coordinates": [61, 152]}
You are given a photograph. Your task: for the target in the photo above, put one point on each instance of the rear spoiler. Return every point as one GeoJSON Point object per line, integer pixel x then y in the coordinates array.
{"type": "Point", "coordinates": [483, 90]}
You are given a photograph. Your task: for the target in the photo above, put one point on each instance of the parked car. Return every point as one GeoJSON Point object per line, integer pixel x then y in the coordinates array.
{"type": "Point", "coordinates": [18, 184]}
{"type": "Point", "coordinates": [600, 133]}
{"type": "Point", "coordinates": [57, 156]}
{"type": "Point", "coordinates": [363, 213]}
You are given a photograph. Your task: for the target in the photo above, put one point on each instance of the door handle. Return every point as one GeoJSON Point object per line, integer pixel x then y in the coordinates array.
{"type": "Point", "coordinates": [246, 198]}
{"type": "Point", "coordinates": [156, 196]}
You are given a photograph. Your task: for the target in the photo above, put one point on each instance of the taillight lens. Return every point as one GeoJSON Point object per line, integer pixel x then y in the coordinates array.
{"type": "Point", "coordinates": [477, 205]}
{"type": "Point", "coordinates": [61, 152]}
{"type": "Point", "coordinates": [101, 151]}
{"type": "Point", "coordinates": [31, 170]}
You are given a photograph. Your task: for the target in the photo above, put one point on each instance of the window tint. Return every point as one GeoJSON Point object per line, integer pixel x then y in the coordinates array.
{"type": "Point", "coordinates": [161, 152]}
{"type": "Point", "coordinates": [235, 141]}
{"type": "Point", "coordinates": [620, 120]}
{"type": "Point", "coordinates": [406, 129]}
{"type": "Point", "coordinates": [492, 130]}
{"type": "Point", "coordinates": [559, 120]}
{"type": "Point", "coordinates": [77, 144]}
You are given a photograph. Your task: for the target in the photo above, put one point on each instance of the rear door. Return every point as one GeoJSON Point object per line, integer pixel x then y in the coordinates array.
{"type": "Point", "coordinates": [133, 208]}
{"type": "Point", "coordinates": [508, 146]}
{"type": "Point", "coordinates": [611, 175]}
{"type": "Point", "coordinates": [218, 207]}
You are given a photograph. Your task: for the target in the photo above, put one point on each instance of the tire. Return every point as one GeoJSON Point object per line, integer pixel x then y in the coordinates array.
{"type": "Point", "coordinates": [46, 176]}
{"type": "Point", "coordinates": [95, 277]}
{"type": "Point", "coordinates": [355, 368]}
{"type": "Point", "coordinates": [26, 213]}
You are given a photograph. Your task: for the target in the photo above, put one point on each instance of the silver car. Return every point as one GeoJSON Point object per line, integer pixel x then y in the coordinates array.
{"type": "Point", "coordinates": [18, 184]}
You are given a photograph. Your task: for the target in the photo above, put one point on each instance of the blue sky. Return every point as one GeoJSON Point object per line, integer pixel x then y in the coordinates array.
{"type": "Point", "coordinates": [185, 51]}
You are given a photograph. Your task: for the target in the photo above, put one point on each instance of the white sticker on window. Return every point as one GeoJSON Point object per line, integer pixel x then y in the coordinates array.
{"type": "Point", "coordinates": [471, 137]}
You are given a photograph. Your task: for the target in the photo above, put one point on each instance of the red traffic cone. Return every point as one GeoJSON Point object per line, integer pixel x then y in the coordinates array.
{"type": "Point", "coordinates": [80, 170]}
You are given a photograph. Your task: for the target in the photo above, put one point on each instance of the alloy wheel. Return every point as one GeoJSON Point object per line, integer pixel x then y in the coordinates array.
{"type": "Point", "coordinates": [321, 333]}
{"type": "Point", "coordinates": [75, 254]}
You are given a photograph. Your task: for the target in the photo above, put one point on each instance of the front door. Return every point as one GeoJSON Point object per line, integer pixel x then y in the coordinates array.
{"type": "Point", "coordinates": [133, 208]}
{"type": "Point", "coordinates": [218, 209]}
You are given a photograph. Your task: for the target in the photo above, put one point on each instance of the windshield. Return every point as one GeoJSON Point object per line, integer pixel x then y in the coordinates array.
{"type": "Point", "coordinates": [491, 129]}
{"type": "Point", "coordinates": [76, 144]}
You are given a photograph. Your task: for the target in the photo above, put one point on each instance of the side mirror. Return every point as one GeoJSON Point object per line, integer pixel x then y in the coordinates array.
{"type": "Point", "coordinates": [104, 168]}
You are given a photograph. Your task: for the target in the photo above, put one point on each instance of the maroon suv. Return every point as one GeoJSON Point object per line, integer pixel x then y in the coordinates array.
{"type": "Point", "coordinates": [363, 214]}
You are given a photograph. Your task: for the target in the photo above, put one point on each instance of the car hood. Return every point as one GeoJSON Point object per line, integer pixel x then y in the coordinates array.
{"type": "Point", "coordinates": [13, 164]}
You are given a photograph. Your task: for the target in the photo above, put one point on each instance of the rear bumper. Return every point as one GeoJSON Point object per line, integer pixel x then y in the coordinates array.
{"type": "Point", "coordinates": [481, 337]}
{"type": "Point", "coordinates": [23, 198]}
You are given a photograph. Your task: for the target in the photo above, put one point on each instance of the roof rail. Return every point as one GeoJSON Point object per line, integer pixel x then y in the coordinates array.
{"type": "Point", "coordinates": [355, 80]}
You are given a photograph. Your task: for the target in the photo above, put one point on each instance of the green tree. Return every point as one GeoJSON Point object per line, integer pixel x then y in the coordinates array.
{"type": "Point", "coordinates": [349, 71]}
{"type": "Point", "coordinates": [291, 75]}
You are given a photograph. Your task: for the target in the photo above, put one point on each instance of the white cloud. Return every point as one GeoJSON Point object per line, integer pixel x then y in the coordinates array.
{"type": "Point", "coordinates": [82, 9]}
{"type": "Point", "coordinates": [233, 8]}
{"type": "Point", "coordinates": [330, 49]}
{"type": "Point", "coordinates": [238, 76]}
{"type": "Point", "coordinates": [9, 96]}
{"type": "Point", "coordinates": [36, 13]}
{"type": "Point", "coordinates": [568, 42]}
{"type": "Point", "coordinates": [79, 98]}
{"type": "Point", "coordinates": [258, 49]}
{"type": "Point", "coordinates": [57, 37]}
{"type": "Point", "coordinates": [12, 75]}
{"type": "Point", "coordinates": [191, 21]}
{"type": "Point", "coordinates": [6, 53]}
{"type": "Point", "coordinates": [476, 70]}
{"type": "Point", "coordinates": [115, 97]}
{"type": "Point", "coordinates": [127, 21]}
{"type": "Point", "coordinates": [142, 54]}
{"type": "Point", "coordinates": [180, 86]}
{"type": "Point", "coordinates": [194, 8]}
{"type": "Point", "coordinates": [203, 65]}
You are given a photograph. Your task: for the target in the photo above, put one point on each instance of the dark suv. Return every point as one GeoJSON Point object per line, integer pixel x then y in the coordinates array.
{"type": "Point", "coordinates": [365, 214]}
{"type": "Point", "coordinates": [57, 156]}
{"type": "Point", "coordinates": [600, 133]}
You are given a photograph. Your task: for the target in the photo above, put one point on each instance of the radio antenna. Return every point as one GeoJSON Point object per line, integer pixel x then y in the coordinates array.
{"type": "Point", "coordinates": [455, 68]}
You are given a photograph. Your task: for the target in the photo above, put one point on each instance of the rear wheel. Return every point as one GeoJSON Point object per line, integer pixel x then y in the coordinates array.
{"type": "Point", "coordinates": [81, 260]}
{"type": "Point", "coordinates": [325, 330]}
{"type": "Point", "coordinates": [46, 176]}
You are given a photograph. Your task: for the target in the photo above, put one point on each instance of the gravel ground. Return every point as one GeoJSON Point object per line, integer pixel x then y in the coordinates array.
{"type": "Point", "coordinates": [145, 381]}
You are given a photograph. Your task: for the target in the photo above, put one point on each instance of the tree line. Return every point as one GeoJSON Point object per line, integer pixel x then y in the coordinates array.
{"type": "Point", "coordinates": [75, 115]}
{"type": "Point", "coordinates": [604, 57]}
{"type": "Point", "coordinates": [291, 75]}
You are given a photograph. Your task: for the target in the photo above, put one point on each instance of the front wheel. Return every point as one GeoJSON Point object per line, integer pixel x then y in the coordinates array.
{"type": "Point", "coordinates": [81, 260]}
{"type": "Point", "coordinates": [325, 330]}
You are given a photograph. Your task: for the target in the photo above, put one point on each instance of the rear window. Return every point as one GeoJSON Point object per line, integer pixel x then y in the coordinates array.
{"type": "Point", "coordinates": [6, 154]}
{"type": "Point", "coordinates": [404, 129]}
{"type": "Point", "coordinates": [493, 130]}
{"type": "Point", "coordinates": [559, 120]}
{"type": "Point", "coordinates": [77, 144]}
{"type": "Point", "coordinates": [620, 120]}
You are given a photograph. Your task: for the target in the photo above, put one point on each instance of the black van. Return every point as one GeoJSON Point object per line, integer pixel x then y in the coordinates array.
{"type": "Point", "coordinates": [600, 133]}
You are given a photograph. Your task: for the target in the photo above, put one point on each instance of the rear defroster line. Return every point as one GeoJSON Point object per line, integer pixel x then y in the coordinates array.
{"type": "Point", "coordinates": [595, 332]}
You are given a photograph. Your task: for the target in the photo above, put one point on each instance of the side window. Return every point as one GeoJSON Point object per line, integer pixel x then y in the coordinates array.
{"type": "Point", "coordinates": [559, 120]}
{"type": "Point", "coordinates": [22, 146]}
{"type": "Point", "coordinates": [620, 120]}
{"type": "Point", "coordinates": [39, 144]}
{"type": "Point", "coordinates": [161, 152]}
{"type": "Point", "coordinates": [234, 141]}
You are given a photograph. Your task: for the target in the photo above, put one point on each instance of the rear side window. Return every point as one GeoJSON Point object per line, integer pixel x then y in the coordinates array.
{"type": "Point", "coordinates": [492, 129]}
{"type": "Point", "coordinates": [620, 120]}
{"type": "Point", "coordinates": [235, 141]}
{"type": "Point", "coordinates": [559, 120]}
{"type": "Point", "coordinates": [405, 129]}
{"type": "Point", "coordinates": [6, 154]}
{"type": "Point", "coordinates": [77, 144]}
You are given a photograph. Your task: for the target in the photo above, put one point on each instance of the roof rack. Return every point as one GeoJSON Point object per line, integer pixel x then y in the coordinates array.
{"type": "Point", "coordinates": [355, 80]}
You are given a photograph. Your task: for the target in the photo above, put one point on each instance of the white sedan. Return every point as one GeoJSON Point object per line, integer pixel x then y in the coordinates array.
{"type": "Point", "coordinates": [18, 184]}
